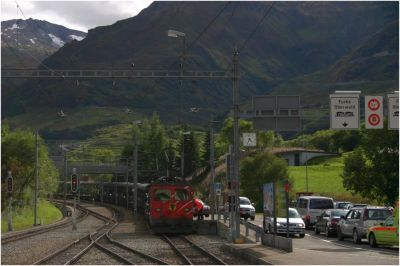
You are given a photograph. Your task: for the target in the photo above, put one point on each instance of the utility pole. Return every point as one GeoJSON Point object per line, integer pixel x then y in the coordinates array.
{"type": "Point", "coordinates": [135, 176]}
{"type": "Point", "coordinates": [9, 192]}
{"type": "Point", "coordinates": [236, 140]}
{"type": "Point", "coordinates": [36, 176]}
{"type": "Point", "coordinates": [212, 172]}
{"type": "Point", "coordinates": [65, 175]}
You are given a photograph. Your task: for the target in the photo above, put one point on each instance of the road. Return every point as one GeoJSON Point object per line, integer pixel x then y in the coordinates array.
{"type": "Point", "coordinates": [318, 249]}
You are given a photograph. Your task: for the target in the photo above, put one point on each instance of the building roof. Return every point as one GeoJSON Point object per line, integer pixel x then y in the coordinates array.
{"type": "Point", "coordinates": [281, 150]}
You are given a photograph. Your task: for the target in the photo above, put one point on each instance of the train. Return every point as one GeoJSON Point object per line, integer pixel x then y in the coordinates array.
{"type": "Point", "coordinates": [166, 203]}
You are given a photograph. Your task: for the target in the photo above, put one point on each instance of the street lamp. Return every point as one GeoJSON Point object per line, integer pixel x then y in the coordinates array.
{"type": "Point", "coordinates": [183, 155]}
{"type": "Point", "coordinates": [177, 34]}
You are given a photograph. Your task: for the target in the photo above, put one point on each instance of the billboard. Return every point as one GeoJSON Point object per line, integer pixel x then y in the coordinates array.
{"type": "Point", "coordinates": [268, 199]}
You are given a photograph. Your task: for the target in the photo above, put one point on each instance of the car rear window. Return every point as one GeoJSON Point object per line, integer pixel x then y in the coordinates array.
{"type": "Point", "coordinates": [338, 213]}
{"type": "Point", "coordinates": [342, 205]}
{"type": "Point", "coordinates": [321, 204]}
{"type": "Point", "coordinates": [378, 214]}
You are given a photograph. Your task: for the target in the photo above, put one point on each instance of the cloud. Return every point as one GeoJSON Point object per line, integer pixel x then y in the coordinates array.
{"type": "Point", "coordinates": [80, 15]}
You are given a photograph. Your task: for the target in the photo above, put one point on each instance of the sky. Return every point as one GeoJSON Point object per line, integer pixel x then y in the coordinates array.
{"type": "Point", "coordinates": [77, 15]}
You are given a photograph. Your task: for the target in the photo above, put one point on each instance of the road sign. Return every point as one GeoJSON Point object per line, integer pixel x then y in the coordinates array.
{"type": "Point", "coordinates": [74, 183]}
{"type": "Point", "coordinates": [277, 112]}
{"type": "Point", "coordinates": [373, 112]}
{"type": "Point", "coordinates": [249, 139]}
{"type": "Point", "coordinates": [345, 111]}
{"type": "Point", "coordinates": [393, 110]}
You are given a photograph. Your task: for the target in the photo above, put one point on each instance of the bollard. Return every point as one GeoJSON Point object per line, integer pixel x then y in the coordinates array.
{"type": "Point", "coordinates": [258, 234]}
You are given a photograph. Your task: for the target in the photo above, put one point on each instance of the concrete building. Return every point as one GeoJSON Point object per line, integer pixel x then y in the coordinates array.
{"type": "Point", "coordinates": [299, 156]}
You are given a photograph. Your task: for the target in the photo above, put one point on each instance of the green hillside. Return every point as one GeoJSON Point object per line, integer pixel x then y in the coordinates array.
{"type": "Point", "coordinates": [324, 178]}
{"type": "Point", "coordinates": [297, 38]}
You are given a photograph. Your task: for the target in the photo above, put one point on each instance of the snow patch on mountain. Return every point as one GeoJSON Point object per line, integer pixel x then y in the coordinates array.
{"type": "Point", "coordinates": [78, 38]}
{"type": "Point", "coordinates": [14, 26]}
{"type": "Point", "coordinates": [56, 40]}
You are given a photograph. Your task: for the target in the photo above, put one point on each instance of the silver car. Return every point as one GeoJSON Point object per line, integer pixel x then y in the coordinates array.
{"type": "Point", "coordinates": [296, 224]}
{"type": "Point", "coordinates": [357, 221]}
{"type": "Point", "coordinates": [247, 209]}
{"type": "Point", "coordinates": [309, 207]}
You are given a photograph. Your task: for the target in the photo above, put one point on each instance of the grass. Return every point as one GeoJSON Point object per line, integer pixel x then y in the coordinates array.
{"type": "Point", "coordinates": [324, 178]}
{"type": "Point", "coordinates": [23, 217]}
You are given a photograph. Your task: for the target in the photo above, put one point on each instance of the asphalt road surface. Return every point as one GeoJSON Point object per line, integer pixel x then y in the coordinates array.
{"type": "Point", "coordinates": [319, 249]}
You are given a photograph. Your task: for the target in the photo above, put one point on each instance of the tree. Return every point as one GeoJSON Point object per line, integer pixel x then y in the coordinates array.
{"type": "Point", "coordinates": [18, 156]}
{"type": "Point", "coordinates": [225, 137]}
{"type": "Point", "coordinates": [260, 169]}
{"type": "Point", "coordinates": [373, 168]}
{"type": "Point", "coordinates": [268, 139]}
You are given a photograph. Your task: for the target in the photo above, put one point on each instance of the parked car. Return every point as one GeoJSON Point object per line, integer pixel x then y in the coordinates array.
{"type": "Point", "coordinates": [387, 233]}
{"type": "Point", "coordinates": [342, 204]}
{"type": "Point", "coordinates": [355, 205]}
{"type": "Point", "coordinates": [200, 209]}
{"type": "Point", "coordinates": [246, 208]}
{"type": "Point", "coordinates": [328, 220]}
{"type": "Point", "coordinates": [311, 206]}
{"type": "Point", "coordinates": [296, 224]}
{"type": "Point", "coordinates": [358, 220]}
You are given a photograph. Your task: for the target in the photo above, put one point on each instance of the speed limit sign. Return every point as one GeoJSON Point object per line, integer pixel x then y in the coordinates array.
{"type": "Point", "coordinates": [373, 112]}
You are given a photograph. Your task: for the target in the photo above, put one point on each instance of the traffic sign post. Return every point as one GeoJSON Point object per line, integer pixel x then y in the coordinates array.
{"type": "Point", "coordinates": [373, 112]}
{"type": "Point", "coordinates": [393, 110]}
{"type": "Point", "coordinates": [345, 111]}
{"type": "Point", "coordinates": [249, 139]}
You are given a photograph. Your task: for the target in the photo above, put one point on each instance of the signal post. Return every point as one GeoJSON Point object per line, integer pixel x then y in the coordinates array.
{"type": "Point", "coordinates": [9, 192]}
{"type": "Point", "coordinates": [74, 190]}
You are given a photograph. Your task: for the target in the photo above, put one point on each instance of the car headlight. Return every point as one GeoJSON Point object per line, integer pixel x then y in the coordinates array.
{"type": "Point", "coordinates": [300, 225]}
{"type": "Point", "coordinates": [278, 224]}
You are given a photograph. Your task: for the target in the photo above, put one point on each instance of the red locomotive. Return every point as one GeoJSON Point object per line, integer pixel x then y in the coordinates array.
{"type": "Point", "coordinates": [169, 206]}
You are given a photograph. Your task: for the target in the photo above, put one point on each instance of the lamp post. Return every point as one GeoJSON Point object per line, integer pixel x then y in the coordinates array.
{"type": "Point", "coordinates": [183, 155]}
{"type": "Point", "coordinates": [177, 34]}
{"type": "Point", "coordinates": [135, 170]}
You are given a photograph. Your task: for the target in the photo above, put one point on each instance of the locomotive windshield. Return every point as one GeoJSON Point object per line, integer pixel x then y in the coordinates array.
{"type": "Point", "coordinates": [162, 194]}
{"type": "Point", "coordinates": [182, 194]}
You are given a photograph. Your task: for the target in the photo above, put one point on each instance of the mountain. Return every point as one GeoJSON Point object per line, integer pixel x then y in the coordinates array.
{"type": "Point", "coordinates": [295, 40]}
{"type": "Point", "coordinates": [372, 67]}
{"type": "Point", "coordinates": [25, 43]}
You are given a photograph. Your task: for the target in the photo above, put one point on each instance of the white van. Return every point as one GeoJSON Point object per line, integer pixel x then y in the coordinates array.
{"type": "Point", "coordinates": [309, 207]}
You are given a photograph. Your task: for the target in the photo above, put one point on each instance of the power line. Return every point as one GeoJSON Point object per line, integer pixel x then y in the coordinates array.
{"type": "Point", "coordinates": [256, 28]}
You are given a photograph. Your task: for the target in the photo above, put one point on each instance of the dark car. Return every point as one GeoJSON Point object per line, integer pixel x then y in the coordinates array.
{"type": "Point", "coordinates": [328, 220]}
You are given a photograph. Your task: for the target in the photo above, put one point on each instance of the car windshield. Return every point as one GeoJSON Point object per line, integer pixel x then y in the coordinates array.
{"type": "Point", "coordinates": [294, 214]}
{"type": "Point", "coordinates": [244, 201]}
{"type": "Point", "coordinates": [338, 213]}
{"type": "Point", "coordinates": [378, 214]}
{"type": "Point", "coordinates": [321, 204]}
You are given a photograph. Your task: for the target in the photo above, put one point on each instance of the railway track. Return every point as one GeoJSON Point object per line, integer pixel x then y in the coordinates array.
{"type": "Point", "coordinates": [190, 252]}
{"type": "Point", "coordinates": [72, 252]}
{"type": "Point", "coordinates": [29, 233]}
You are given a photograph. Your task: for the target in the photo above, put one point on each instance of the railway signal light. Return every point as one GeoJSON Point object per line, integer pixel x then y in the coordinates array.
{"type": "Point", "coordinates": [74, 183]}
{"type": "Point", "coordinates": [9, 183]}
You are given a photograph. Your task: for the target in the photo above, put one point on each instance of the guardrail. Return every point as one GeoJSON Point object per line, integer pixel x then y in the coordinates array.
{"type": "Point", "coordinates": [250, 226]}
